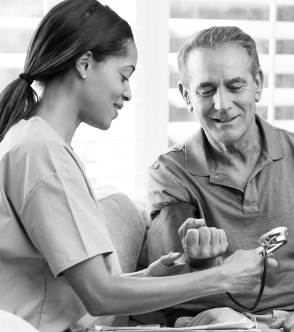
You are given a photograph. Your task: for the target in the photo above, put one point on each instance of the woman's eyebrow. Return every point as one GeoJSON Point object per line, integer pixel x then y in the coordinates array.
{"type": "Point", "coordinates": [130, 66]}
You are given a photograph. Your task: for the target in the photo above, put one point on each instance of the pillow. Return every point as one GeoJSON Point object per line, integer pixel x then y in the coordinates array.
{"type": "Point", "coordinates": [124, 223]}
{"type": "Point", "coordinates": [126, 229]}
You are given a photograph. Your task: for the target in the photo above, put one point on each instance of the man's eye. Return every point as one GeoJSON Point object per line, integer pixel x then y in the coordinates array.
{"type": "Point", "coordinates": [235, 88]}
{"type": "Point", "coordinates": [206, 93]}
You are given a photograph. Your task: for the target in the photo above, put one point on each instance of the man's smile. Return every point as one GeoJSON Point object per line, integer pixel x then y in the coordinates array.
{"type": "Point", "coordinates": [226, 120]}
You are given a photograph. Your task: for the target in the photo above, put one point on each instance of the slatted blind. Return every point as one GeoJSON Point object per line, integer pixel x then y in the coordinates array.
{"type": "Point", "coordinates": [269, 22]}
{"type": "Point", "coordinates": [119, 156]}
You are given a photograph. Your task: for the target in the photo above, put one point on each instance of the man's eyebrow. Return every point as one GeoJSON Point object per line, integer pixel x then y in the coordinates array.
{"type": "Point", "coordinates": [205, 85]}
{"type": "Point", "coordinates": [236, 80]}
{"type": "Point", "coordinates": [209, 84]}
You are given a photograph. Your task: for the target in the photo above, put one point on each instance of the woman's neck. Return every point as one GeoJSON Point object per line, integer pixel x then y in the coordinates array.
{"type": "Point", "coordinates": [59, 111]}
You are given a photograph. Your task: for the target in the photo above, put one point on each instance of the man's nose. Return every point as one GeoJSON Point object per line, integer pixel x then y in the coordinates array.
{"type": "Point", "coordinates": [127, 94]}
{"type": "Point", "coordinates": [222, 100]}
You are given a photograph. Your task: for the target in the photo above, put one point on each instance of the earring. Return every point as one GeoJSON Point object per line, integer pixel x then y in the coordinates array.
{"type": "Point", "coordinates": [84, 76]}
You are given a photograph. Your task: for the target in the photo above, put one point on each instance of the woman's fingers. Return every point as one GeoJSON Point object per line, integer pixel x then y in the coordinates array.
{"type": "Point", "coordinates": [170, 258]}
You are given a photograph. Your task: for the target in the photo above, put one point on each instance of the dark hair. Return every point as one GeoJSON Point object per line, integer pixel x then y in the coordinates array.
{"type": "Point", "coordinates": [69, 29]}
{"type": "Point", "coordinates": [215, 37]}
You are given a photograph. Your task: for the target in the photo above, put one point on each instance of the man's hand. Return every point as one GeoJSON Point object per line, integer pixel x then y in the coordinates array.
{"type": "Point", "coordinates": [287, 323]}
{"type": "Point", "coordinates": [202, 244]}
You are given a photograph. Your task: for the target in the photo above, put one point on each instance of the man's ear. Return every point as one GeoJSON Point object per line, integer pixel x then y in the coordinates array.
{"type": "Point", "coordinates": [259, 78]}
{"type": "Point", "coordinates": [82, 64]}
{"type": "Point", "coordinates": [185, 94]}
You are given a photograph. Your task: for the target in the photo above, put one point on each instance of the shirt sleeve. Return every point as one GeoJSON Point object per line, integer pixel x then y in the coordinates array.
{"type": "Point", "coordinates": [163, 188]}
{"type": "Point", "coordinates": [64, 223]}
{"type": "Point", "coordinates": [168, 208]}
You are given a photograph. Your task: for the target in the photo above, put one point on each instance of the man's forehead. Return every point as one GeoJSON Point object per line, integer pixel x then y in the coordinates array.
{"type": "Point", "coordinates": [225, 55]}
{"type": "Point", "coordinates": [227, 62]}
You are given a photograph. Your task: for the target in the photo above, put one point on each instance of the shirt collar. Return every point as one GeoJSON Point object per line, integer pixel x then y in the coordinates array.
{"type": "Point", "coordinates": [197, 146]}
{"type": "Point", "coordinates": [197, 156]}
{"type": "Point", "coordinates": [271, 142]}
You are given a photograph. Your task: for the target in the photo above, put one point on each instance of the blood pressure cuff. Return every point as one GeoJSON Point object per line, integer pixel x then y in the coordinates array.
{"type": "Point", "coordinates": [163, 236]}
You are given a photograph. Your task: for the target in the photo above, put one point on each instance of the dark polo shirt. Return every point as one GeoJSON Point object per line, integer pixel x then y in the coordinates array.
{"type": "Point", "coordinates": [185, 182]}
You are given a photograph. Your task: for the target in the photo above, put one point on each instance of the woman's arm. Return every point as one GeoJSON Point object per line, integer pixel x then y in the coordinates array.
{"type": "Point", "coordinates": [104, 294]}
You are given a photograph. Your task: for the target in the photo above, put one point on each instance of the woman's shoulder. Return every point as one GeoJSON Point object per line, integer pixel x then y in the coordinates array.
{"type": "Point", "coordinates": [32, 136]}
{"type": "Point", "coordinates": [32, 153]}
{"type": "Point", "coordinates": [33, 143]}
{"type": "Point", "coordinates": [34, 146]}
{"type": "Point", "coordinates": [36, 131]}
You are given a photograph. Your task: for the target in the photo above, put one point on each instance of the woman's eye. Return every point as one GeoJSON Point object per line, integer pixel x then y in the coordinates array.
{"type": "Point", "coordinates": [124, 79]}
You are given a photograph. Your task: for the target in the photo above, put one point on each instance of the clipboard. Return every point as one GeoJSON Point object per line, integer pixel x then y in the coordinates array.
{"type": "Point", "coordinates": [222, 327]}
{"type": "Point", "coordinates": [230, 326]}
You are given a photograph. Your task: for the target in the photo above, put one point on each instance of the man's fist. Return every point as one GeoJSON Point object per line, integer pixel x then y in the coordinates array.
{"type": "Point", "coordinates": [202, 242]}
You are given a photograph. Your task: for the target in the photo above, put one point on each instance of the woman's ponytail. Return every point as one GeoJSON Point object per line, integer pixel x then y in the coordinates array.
{"type": "Point", "coordinates": [17, 101]}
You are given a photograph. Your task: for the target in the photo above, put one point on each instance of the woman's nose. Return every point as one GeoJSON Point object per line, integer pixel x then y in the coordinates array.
{"type": "Point", "coordinates": [127, 94]}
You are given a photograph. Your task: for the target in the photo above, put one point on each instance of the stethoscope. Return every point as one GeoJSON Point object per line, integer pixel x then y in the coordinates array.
{"type": "Point", "coordinates": [271, 241]}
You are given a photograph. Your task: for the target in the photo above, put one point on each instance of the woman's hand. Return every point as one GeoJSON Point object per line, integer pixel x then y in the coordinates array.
{"type": "Point", "coordinates": [166, 266]}
{"type": "Point", "coordinates": [245, 268]}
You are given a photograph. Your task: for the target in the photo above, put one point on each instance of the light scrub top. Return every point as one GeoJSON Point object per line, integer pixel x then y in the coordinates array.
{"type": "Point", "coordinates": [49, 221]}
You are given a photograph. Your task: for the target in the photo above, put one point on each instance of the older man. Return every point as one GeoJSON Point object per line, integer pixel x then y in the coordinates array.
{"type": "Point", "coordinates": [233, 180]}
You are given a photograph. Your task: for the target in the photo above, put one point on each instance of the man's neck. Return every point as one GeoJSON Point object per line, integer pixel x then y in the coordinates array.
{"type": "Point", "coordinates": [241, 157]}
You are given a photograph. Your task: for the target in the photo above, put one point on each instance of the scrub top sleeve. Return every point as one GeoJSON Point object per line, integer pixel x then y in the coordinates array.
{"type": "Point", "coordinates": [63, 222]}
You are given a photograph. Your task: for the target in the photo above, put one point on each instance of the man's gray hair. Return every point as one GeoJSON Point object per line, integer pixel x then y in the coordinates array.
{"type": "Point", "coordinates": [215, 37]}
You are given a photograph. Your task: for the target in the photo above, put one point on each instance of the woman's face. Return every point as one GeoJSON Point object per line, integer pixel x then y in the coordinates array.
{"type": "Point", "coordinates": [105, 89]}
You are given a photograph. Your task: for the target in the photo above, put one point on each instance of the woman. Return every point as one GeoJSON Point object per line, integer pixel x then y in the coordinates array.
{"type": "Point", "coordinates": [57, 261]}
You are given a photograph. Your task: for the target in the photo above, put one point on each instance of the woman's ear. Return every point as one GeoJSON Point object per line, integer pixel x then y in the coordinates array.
{"type": "Point", "coordinates": [259, 85]}
{"type": "Point", "coordinates": [82, 64]}
{"type": "Point", "coordinates": [185, 94]}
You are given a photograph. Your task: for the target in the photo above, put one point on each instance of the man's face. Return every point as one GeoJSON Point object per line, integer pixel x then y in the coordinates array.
{"type": "Point", "coordinates": [222, 92]}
